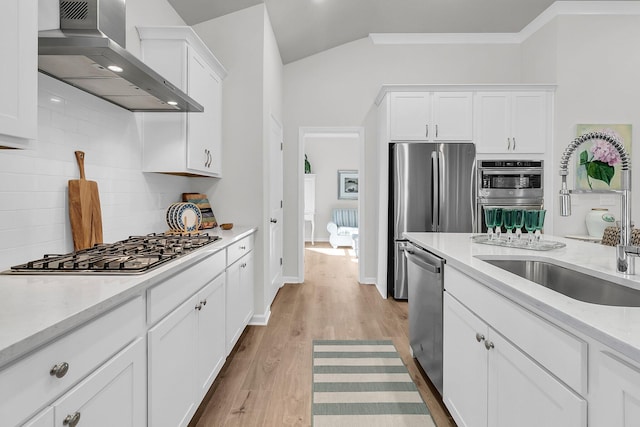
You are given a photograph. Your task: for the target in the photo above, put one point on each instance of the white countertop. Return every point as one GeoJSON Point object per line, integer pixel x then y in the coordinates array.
{"type": "Point", "coordinates": [35, 309]}
{"type": "Point", "coordinates": [616, 327]}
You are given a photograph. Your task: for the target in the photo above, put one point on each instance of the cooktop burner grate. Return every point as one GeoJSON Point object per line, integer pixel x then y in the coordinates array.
{"type": "Point", "coordinates": [137, 254]}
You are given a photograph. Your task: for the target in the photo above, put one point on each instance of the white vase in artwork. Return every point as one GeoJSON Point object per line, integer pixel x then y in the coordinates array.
{"type": "Point", "coordinates": [597, 220]}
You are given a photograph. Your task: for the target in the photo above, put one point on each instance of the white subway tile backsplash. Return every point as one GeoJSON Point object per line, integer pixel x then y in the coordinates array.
{"type": "Point", "coordinates": [34, 215]}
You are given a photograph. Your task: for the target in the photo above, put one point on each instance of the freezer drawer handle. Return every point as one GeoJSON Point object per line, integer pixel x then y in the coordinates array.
{"type": "Point", "coordinates": [429, 267]}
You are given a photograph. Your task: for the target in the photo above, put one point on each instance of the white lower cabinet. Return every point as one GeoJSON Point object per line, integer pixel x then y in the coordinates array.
{"type": "Point", "coordinates": [522, 393]}
{"type": "Point", "coordinates": [113, 395]}
{"type": "Point", "coordinates": [239, 298]}
{"type": "Point", "coordinates": [43, 419]}
{"type": "Point", "coordinates": [36, 381]}
{"type": "Point", "coordinates": [211, 334]}
{"type": "Point", "coordinates": [465, 365]}
{"type": "Point", "coordinates": [488, 381]}
{"type": "Point", "coordinates": [172, 367]}
{"type": "Point", "coordinates": [114, 371]}
{"type": "Point", "coordinates": [186, 350]}
{"type": "Point", "coordinates": [616, 392]}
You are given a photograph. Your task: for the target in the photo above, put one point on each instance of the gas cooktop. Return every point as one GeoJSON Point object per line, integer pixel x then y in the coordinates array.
{"type": "Point", "coordinates": [137, 254]}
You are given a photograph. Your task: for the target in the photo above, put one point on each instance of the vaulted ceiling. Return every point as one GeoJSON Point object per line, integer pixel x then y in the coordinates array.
{"type": "Point", "coordinates": [306, 27]}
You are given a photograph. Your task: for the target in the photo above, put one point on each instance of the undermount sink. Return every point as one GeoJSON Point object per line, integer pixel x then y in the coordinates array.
{"type": "Point", "coordinates": [571, 283]}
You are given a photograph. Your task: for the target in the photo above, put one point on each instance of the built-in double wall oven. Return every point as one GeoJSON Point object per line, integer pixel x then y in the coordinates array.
{"type": "Point", "coordinates": [508, 183]}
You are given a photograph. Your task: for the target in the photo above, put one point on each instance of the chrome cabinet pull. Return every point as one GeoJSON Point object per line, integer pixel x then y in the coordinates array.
{"type": "Point", "coordinates": [426, 134]}
{"type": "Point", "coordinates": [273, 220]}
{"type": "Point", "coordinates": [243, 247]}
{"type": "Point", "coordinates": [72, 420]}
{"type": "Point", "coordinates": [508, 144]}
{"type": "Point", "coordinates": [479, 337]}
{"type": "Point", "coordinates": [199, 307]}
{"type": "Point", "coordinates": [59, 370]}
{"type": "Point", "coordinates": [203, 302]}
{"type": "Point", "coordinates": [514, 142]}
{"type": "Point", "coordinates": [436, 131]}
{"type": "Point", "coordinates": [488, 345]}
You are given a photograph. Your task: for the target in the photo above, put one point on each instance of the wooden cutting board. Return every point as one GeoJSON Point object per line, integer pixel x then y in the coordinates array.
{"type": "Point", "coordinates": [85, 215]}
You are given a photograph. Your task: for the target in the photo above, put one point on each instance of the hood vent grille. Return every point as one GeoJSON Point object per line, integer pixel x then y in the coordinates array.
{"type": "Point", "coordinates": [72, 10]}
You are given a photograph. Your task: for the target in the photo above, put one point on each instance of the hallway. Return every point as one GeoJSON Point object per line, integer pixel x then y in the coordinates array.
{"type": "Point", "coordinates": [266, 380]}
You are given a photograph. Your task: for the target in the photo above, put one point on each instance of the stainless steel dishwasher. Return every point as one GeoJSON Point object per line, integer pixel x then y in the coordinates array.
{"type": "Point", "coordinates": [425, 285]}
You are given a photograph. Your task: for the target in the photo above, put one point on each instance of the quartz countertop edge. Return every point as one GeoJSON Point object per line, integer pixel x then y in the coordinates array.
{"type": "Point", "coordinates": [615, 327]}
{"type": "Point", "coordinates": [36, 309]}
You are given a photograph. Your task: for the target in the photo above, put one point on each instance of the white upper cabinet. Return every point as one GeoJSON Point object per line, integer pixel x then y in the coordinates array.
{"type": "Point", "coordinates": [512, 122]}
{"type": "Point", "coordinates": [18, 73]}
{"type": "Point", "coordinates": [184, 143]}
{"type": "Point", "coordinates": [431, 116]}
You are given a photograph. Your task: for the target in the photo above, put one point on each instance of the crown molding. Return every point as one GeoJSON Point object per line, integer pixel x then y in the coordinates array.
{"type": "Point", "coordinates": [559, 8]}
{"type": "Point", "coordinates": [444, 38]}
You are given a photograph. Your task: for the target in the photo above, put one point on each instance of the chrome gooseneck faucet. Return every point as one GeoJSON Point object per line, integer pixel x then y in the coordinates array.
{"type": "Point", "coordinates": [624, 251]}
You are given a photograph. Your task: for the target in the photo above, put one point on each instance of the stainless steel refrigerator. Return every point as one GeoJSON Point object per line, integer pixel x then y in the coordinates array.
{"type": "Point", "coordinates": [431, 188]}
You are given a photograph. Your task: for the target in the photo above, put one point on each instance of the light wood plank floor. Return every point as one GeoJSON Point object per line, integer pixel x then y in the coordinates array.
{"type": "Point", "coordinates": [266, 380]}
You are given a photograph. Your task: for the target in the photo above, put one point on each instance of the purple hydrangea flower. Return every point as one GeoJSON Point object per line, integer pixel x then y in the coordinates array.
{"type": "Point", "coordinates": [605, 152]}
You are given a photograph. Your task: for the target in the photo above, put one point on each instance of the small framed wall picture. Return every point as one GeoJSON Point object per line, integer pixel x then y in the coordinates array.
{"type": "Point", "coordinates": [348, 184]}
{"type": "Point", "coordinates": [598, 164]}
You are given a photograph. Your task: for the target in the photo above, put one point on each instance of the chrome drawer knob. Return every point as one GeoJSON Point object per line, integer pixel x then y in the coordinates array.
{"type": "Point", "coordinates": [479, 337]}
{"type": "Point", "coordinates": [488, 345]}
{"type": "Point", "coordinates": [59, 370]}
{"type": "Point", "coordinates": [199, 307]}
{"type": "Point", "coordinates": [72, 420]}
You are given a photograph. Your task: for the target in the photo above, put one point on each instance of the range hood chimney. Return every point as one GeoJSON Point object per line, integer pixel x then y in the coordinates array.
{"type": "Point", "coordinates": [88, 52]}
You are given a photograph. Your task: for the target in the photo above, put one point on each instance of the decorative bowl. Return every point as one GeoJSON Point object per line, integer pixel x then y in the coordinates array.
{"type": "Point", "coordinates": [227, 226]}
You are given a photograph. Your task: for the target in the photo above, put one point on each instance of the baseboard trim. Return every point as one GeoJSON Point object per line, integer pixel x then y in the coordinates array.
{"type": "Point", "coordinates": [292, 280]}
{"type": "Point", "coordinates": [261, 320]}
{"type": "Point", "coordinates": [368, 281]}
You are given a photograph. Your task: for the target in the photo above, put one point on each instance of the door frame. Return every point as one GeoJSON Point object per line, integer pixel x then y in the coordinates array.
{"type": "Point", "coordinates": [356, 132]}
{"type": "Point", "coordinates": [270, 293]}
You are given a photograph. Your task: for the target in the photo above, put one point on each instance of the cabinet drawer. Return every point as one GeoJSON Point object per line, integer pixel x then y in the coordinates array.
{"type": "Point", "coordinates": [169, 294]}
{"type": "Point", "coordinates": [114, 395]}
{"type": "Point", "coordinates": [561, 353]}
{"type": "Point", "coordinates": [27, 385]}
{"type": "Point", "coordinates": [238, 249]}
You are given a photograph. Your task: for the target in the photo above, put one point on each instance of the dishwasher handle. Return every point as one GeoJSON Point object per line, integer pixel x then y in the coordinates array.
{"type": "Point", "coordinates": [414, 258]}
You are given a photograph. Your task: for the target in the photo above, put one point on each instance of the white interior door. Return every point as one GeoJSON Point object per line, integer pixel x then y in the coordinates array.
{"type": "Point", "coordinates": [275, 209]}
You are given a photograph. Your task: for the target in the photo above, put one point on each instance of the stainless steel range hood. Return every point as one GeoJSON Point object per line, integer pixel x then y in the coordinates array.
{"type": "Point", "coordinates": [88, 52]}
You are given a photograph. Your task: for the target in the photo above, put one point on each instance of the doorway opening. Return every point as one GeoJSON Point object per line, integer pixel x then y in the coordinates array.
{"type": "Point", "coordinates": [332, 164]}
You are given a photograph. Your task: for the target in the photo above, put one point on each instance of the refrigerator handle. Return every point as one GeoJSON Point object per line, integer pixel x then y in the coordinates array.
{"type": "Point", "coordinates": [435, 191]}
{"type": "Point", "coordinates": [473, 195]}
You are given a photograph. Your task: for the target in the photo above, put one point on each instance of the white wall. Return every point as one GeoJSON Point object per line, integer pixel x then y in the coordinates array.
{"type": "Point", "coordinates": [33, 183]}
{"type": "Point", "coordinates": [338, 87]}
{"type": "Point", "coordinates": [236, 40]}
{"type": "Point", "coordinates": [595, 60]}
{"type": "Point", "coordinates": [327, 156]}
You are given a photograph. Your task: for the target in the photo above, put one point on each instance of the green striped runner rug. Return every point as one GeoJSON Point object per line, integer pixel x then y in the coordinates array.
{"type": "Point", "coordinates": [364, 383]}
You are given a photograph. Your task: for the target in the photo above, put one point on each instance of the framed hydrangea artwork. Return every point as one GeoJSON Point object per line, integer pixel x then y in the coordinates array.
{"type": "Point", "coordinates": [597, 162]}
